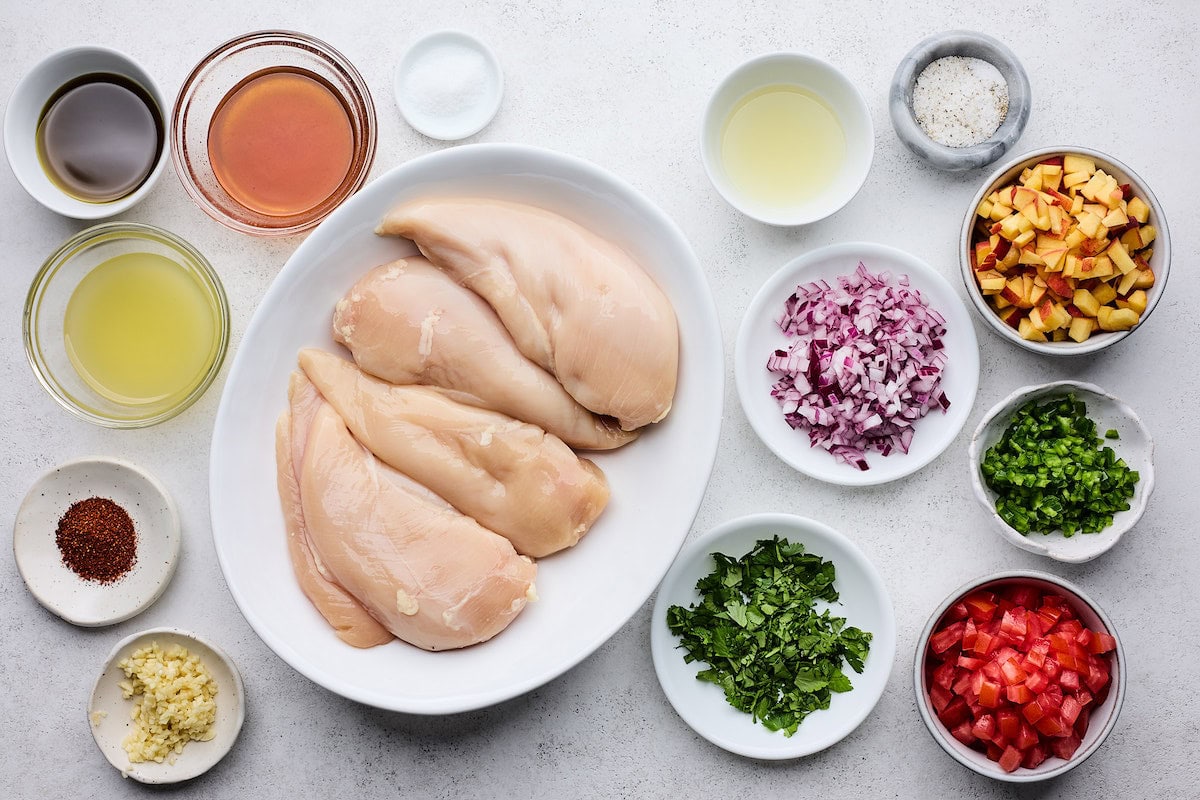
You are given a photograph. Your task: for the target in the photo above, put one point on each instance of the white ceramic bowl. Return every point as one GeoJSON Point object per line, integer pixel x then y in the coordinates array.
{"type": "Point", "coordinates": [1135, 446]}
{"type": "Point", "coordinates": [418, 64]}
{"type": "Point", "coordinates": [1160, 262]}
{"type": "Point", "coordinates": [826, 82]}
{"type": "Point", "coordinates": [759, 336]}
{"type": "Point", "coordinates": [1104, 716]}
{"type": "Point", "coordinates": [109, 711]}
{"type": "Point", "coordinates": [24, 111]}
{"type": "Point", "coordinates": [585, 593]}
{"type": "Point", "coordinates": [864, 603]}
{"type": "Point", "coordinates": [90, 603]}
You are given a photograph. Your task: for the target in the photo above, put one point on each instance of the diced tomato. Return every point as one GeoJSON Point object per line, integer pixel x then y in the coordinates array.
{"type": "Point", "coordinates": [1070, 709]}
{"type": "Point", "coordinates": [1019, 694]}
{"type": "Point", "coordinates": [1013, 625]}
{"type": "Point", "coordinates": [1050, 725]}
{"type": "Point", "coordinates": [939, 698]}
{"type": "Point", "coordinates": [955, 712]}
{"type": "Point", "coordinates": [970, 632]}
{"type": "Point", "coordinates": [1008, 723]}
{"type": "Point", "coordinates": [981, 606]}
{"type": "Point", "coordinates": [962, 732]}
{"type": "Point", "coordinates": [1010, 759]}
{"type": "Point", "coordinates": [947, 637]}
{"type": "Point", "coordinates": [1015, 675]}
{"type": "Point", "coordinates": [984, 727]}
{"type": "Point", "coordinates": [1011, 672]}
{"type": "Point", "coordinates": [1097, 677]}
{"type": "Point", "coordinates": [944, 675]}
{"type": "Point", "coordinates": [989, 694]}
{"type": "Point", "coordinates": [984, 643]}
{"type": "Point", "coordinates": [970, 662]}
{"type": "Point", "coordinates": [1065, 747]}
{"type": "Point", "coordinates": [1034, 757]}
{"type": "Point", "coordinates": [1027, 737]}
{"type": "Point", "coordinates": [1037, 682]}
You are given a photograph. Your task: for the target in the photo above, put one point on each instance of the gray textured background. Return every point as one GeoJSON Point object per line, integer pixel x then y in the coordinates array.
{"type": "Point", "coordinates": [624, 85]}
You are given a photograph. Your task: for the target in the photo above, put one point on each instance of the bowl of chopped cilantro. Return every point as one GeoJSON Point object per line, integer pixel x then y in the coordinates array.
{"type": "Point", "coordinates": [773, 636]}
{"type": "Point", "coordinates": [1063, 469]}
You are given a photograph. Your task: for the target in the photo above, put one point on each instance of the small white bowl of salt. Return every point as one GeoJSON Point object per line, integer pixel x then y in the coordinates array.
{"type": "Point", "coordinates": [449, 85]}
{"type": "Point", "coordinates": [959, 100]}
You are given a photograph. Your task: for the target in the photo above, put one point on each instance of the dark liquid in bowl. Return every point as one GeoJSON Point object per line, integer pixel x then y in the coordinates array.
{"type": "Point", "coordinates": [99, 137]}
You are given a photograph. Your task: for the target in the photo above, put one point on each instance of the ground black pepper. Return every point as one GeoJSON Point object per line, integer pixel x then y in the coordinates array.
{"type": "Point", "coordinates": [97, 540]}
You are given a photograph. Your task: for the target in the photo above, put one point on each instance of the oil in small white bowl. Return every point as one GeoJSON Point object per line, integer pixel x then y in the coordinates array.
{"type": "Point", "coordinates": [782, 146]}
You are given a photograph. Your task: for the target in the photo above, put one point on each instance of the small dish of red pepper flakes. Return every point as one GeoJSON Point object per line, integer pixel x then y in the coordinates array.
{"type": "Point", "coordinates": [96, 540]}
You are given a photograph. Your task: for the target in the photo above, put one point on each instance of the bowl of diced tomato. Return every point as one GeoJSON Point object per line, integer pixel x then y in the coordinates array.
{"type": "Point", "coordinates": [1019, 676]}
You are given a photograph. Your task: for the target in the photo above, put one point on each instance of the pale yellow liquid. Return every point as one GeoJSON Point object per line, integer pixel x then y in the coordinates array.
{"type": "Point", "coordinates": [782, 146]}
{"type": "Point", "coordinates": [140, 329]}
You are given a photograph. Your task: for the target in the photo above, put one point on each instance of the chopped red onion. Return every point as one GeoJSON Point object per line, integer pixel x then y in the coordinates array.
{"type": "Point", "coordinates": [867, 363]}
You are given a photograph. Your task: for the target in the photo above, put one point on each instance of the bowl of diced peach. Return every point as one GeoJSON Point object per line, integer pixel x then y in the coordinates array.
{"type": "Point", "coordinates": [1064, 251]}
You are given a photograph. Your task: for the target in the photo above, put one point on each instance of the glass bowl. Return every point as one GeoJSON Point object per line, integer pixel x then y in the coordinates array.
{"type": "Point", "coordinates": [44, 321]}
{"type": "Point", "coordinates": [231, 66]}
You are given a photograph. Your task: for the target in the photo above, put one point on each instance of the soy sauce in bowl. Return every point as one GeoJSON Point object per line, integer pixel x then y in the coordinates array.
{"type": "Point", "coordinates": [99, 137]}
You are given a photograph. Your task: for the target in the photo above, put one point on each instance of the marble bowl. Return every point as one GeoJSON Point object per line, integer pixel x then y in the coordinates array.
{"type": "Point", "coordinates": [1103, 715]}
{"type": "Point", "coordinates": [968, 44]}
{"type": "Point", "coordinates": [1135, 447]}
{"type": "Point", "coordinates": [1160, 261]}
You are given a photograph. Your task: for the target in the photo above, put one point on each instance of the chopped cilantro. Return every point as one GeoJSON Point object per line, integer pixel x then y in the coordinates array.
{"type": "Point", "coordinates": [765, 644]}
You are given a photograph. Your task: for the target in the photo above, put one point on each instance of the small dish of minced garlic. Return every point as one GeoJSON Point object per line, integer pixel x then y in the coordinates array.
{"type": "Point", "coordinates": [167, 707]}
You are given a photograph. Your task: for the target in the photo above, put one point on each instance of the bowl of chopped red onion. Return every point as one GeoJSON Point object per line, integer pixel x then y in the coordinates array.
{"type": "Point", "coordinates": [856, 364]}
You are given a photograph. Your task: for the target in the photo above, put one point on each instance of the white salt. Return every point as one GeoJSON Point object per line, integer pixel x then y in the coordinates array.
{"type": "Point", "coordinates": [960, 101]}
{"type": "Point", "coordinates": [447, 80]}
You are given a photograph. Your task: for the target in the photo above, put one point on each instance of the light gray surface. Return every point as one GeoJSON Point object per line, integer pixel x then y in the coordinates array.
{"type": "Point", "coordinates": [624, 84]}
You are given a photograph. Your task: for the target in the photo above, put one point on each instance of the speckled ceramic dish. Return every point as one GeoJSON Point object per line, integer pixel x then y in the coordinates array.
{"type": "Point", "coordinates": [863, 602]}
{"type": "Point", "coordinates": [1135, 447]}
{"type": "Point", "coordinates": [1103, 716]}
{"type": "Point", "coordinates": [109, 710]}
{"type": "Point", "coordinates": [39, 560]}
{"type": "Point", "coordinates": [970, 45]}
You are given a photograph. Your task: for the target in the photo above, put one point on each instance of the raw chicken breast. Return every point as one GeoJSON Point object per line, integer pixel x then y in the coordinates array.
{"type": "Point", "coordinates": [432, 576]}
{"type": "Point", "coordinates": [576, 304]}
{"type": "Point", "coordinates": [512, 477]}
{"type": "Point", "coordinates": [349, 619]}
{"type": "Point", "coordinates": [408, 322]}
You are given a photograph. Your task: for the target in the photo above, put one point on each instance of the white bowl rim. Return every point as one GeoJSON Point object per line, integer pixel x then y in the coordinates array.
{"type": "Point", "coordinates": [975, 457]}
{"type": "Point", "coordinates": [59, 201]}
{"type": "Point", "coordinates": [863, 112]}
{"type": "Point", "coordinates": [948, 743]}
{"type": "Point", "coordinates": [1096, 342]}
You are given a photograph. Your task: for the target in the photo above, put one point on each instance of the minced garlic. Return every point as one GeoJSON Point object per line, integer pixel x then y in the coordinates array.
{"type": "Point", "coordinates": [173, 701]}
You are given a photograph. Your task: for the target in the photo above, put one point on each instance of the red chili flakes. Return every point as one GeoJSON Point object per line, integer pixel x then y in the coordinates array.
{"type": "Point", "coordinates": [97, 540]}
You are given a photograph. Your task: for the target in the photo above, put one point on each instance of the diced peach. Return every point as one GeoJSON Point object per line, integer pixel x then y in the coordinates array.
{"type": "Point", "coordinates": [1116, 319]}
{"type": "Point", "coordinates": [1104, 294]}
{"type": "Point", "coordinates": [1030, 256]}
{"type": "Point", "coordinates": [1135, 302]}
{"type": "Point", "coordinates": [1077, 163]}
{"type": "Point", "coordinates": [1147, 233]}
{"type": "Point", "coordinates": [1075, 179]}
{"type": "Point", "coordinates": [1026, 330]}
{"type": "Point", "coordinates": [1076, 204]}
{"type": "Point", "coordinates": [1025, 237]}
{"type": "Point", "coordinates": [1115, 218]}
{"type": "Point", "coordinates": [1138, 209]}
{"type": "Point", "coordinates": [991, 282]}
{"type": "Point", "coordinates": [1086, 302]}
{"type": "Point", "coordinates": [1120, 256]}
{"type": "Point", "coordinates": [1145, 278]}
{"type": "Point", "coordinates": [1089, 225]}
{"type": "Point", "coordinates": [1125, 286]}
{"type": "Point", "coordinates": [1023, 197]}
{"type": "Point", "coordinates": [1132, 239]}
{"type": "Point", "coordinates": [1081, 328]}
{"type": "Point", "coordinates": [1010, 227]}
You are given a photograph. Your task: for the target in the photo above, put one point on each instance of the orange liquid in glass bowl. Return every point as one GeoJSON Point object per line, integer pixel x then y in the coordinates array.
{"type": "Point", "coordinates": [281, 142]}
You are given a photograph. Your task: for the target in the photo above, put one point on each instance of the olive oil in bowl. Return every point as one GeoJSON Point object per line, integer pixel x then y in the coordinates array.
{"type": "Point", "coordinates": [782, 146]}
